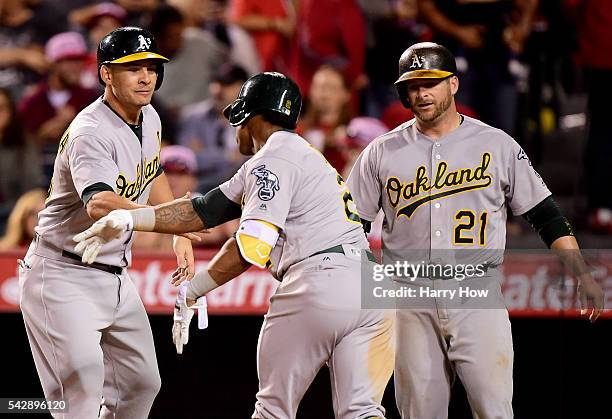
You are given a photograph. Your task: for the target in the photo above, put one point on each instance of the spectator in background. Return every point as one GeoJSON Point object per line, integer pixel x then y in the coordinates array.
{"type": "Point", "coordinates": [329, 32]}
{"type": "Point", "coordinates": [594, 22]}
{"type": "Point", "coordinates": [194, 55]}
{"type": "Point", "coordinates": [271, 23]}
{"type": "Point", "coordinates": [22, 61]}
{"type": "Point", "coordinates": [49, 110]}
{"type": "Point", "coordinates": [207, 132]}
{"type": "Point", "coordinates": [395, 27]}
{"type": "Point", "coordinates": [211, 16]}
{"type": "Point", "coordinates": [486, 38]}
{"type": "Point", "coordinates": [360, 132]}
{"type": "Point", "coordinates": [139, 12]}
{"type": "Point", "coordinates": [20, 166]}
{"type": "Point", "coordinates": [180, 166]}
{"type": "Point", "coordinates": [23, 219]}
{"type": "Point", "coordinates": [195, 12]}
{"type": "Point", "coordinates": [67, 7]}
{"type": "Point", "coordinates": [327, 114]}
{"type": "Point", "coordinates": [98, 20]}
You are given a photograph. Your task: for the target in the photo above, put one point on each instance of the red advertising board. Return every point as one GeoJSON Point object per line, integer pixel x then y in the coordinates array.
{"type": "Point", "coordinates": [533, 285]}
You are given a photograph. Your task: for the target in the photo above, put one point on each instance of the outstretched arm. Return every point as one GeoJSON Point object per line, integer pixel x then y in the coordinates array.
{"type": "Point", "coordinates": [175, 217]}
{"type": "Point", "coordinates": [556, 231]}
{"type": "Point", "coordinates": [226, 265]}
{"type": "Point", "coordinates": [160, 194]}
{"type": "Point", "coordinates": [589, 291]}
{"type": "Point", "coordinates": [185, 215]}
{"type": "Point", "coordinates": [178, 216]}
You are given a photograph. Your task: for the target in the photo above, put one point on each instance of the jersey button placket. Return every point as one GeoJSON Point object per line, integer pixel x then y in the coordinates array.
{"type": "Point", "coordinates": [437, 219]}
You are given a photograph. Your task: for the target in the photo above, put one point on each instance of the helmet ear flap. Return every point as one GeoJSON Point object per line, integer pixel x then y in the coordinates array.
{"type": "Point", "coordinates": [402, 92]}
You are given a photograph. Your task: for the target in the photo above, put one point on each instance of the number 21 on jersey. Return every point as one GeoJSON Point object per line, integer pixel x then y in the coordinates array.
{"type": "Point", "coordinates": [464, 234]}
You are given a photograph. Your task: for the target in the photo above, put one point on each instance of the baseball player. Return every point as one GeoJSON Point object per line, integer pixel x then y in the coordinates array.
{"type": "Point", "coordinates": [298, 220]}
{"type": "Point", "coordinates": [87, 327]}
{"type": "Point", "coordinates": [444, 182]}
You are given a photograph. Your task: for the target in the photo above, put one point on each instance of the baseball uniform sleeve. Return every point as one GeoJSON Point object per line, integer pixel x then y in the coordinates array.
{"type": "Point", "coordinates": [269, 187]}
{"type": "Point", "coordinates": [364, 184]}
{"type": "Point", "coordinates": [233, 189]}
{"type": "Point", "coordinates": [91, 161]}
{"type": "Point", "coordinates": [525, 188]}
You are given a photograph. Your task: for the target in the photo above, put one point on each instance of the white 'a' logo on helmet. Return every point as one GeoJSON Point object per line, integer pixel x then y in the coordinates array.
{"type": "Point", "coordinates": [144, 43]}
{"type": "Point", "coordinates": [417, 62]}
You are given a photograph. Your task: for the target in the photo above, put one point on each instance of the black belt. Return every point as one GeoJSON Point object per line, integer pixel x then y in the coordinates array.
{"type": "Point", "coordinates": [101, 266]}
{"type": "Point", "coordinates": [340, 249]}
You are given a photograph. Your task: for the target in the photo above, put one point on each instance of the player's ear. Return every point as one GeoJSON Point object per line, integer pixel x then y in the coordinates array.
{"type": "Point", "coordinates": [105, 74]}
{"type": "Point", "coordinates": [454, 84]}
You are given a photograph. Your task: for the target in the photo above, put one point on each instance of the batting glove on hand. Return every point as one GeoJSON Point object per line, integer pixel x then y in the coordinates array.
{"type": "Point", "coordinates": [107, 228]}
{"type": "Point", "coordinates": [183, 315]}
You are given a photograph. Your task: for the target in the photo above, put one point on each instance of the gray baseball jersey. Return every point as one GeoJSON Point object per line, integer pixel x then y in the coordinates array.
{"type": "Point", "coordinates": [87, 327]}
{"type": "Point", "coordinates": [445, 194]}
{"type": "Point", "coordinates": [314, 316]}
{"type": "Point", "coordinates": [99, 147]}
{"type": "Point", "coordinates": [449, 193]}
{"type": "Point", "coordinates": [289, 184]}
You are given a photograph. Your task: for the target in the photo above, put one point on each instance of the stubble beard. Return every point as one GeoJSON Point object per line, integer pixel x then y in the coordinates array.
{"type": "Point", "coordinates": [439, 110]}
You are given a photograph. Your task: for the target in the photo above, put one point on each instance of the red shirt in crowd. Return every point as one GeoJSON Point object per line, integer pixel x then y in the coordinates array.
{"type": "Point", "coordinates": [594, 31]}
{"type": "Point", "coordinates": [37, 109]}
{"type": "Point", "coordinates": [328, 32]}
{"type": "Point", "coordinates": [270, 44]}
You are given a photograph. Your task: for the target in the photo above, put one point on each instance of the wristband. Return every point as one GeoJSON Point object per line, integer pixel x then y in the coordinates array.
{"type": "Point", "coordinates": [201, 284]}
{"type": "Point", "coordinates": [144, 218]}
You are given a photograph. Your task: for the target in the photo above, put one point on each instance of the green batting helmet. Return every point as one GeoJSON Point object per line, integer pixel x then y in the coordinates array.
{"type": "Point", "coordinates": [266, 93]}
{"type": "Point", "coordinates": [127, 44]}
{"type": "Point", "coordinates": [425, 60]}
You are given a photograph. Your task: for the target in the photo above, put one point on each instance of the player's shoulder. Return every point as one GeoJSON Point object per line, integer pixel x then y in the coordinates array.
{"type": "Point", "coordinates": [391, 139]}
{"type": "Point", "coordinates": [286, 146]}
{"type": "Point", "coordinates": [476, 128]}
{"type": "Point", "coordinates": [91, 125]}
{"type": "Point", "coordinates": [89, 121]}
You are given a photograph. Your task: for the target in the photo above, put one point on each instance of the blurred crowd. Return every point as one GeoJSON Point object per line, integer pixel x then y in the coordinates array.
{"type": "Point", "coordinates": [522, 65]}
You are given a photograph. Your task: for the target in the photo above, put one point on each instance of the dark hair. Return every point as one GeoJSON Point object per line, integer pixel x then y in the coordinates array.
{"type": "Point", "coordinates": [13, 135]}
{"type": "Point", "coordinates": [312, 116]}
{"type": "Point", "coordinates": [162, 17]}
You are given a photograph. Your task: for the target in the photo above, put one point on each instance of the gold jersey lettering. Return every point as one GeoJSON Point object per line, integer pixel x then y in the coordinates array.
{"type": "Point", "coordinates": [444, 184]}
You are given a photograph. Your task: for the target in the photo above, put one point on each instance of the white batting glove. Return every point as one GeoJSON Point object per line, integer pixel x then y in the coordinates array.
{"type": "Point", "coordinates": [183, 315]}
{"type": "Point", "coordinates": [107, 228]}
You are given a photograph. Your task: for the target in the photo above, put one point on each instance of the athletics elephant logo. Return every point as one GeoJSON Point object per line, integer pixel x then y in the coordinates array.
{"type": "Point", "coordinates": [267, 181]}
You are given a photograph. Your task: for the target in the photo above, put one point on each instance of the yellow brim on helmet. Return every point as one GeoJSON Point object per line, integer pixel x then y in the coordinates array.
{"type": "Point", "coordinates": [424, 74]}
{"type": "Point", "coordinates": [139, 56]}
